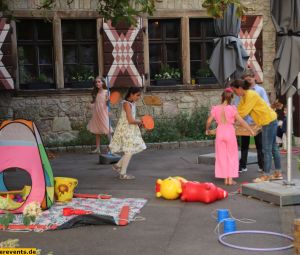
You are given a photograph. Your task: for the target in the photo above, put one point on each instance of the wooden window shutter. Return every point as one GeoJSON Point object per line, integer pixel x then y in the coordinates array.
{"type": "Point", "coordinates": [6, 63]}
{"type": "Point", "coordinates": [123, 54]}
{"type": "Point", "coordinates": [251, 36]}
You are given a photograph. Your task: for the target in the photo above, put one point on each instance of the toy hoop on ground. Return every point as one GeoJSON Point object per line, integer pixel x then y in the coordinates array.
{"type": "Point", "coordinates": [148, 122]}
{"type": "Point", "coordinates": [115, 97]}
{"type": "Point", "coordinates": [256, 232]}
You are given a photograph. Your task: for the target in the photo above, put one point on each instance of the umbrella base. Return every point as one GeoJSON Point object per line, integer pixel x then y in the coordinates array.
{"type": "Point", "coordinates": [276, 192]}
{"type": "Point", "coordinates": [107, 159]}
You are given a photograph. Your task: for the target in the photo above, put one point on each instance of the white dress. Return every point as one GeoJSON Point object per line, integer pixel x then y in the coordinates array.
{"type": "Point", "coordinates": [127, 137]}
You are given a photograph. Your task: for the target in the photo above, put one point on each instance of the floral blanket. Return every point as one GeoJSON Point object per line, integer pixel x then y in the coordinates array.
{"type": "Point", "coordinates": [108, 208]}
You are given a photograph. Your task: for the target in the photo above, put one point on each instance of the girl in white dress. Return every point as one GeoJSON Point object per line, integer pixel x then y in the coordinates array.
{"type": "Point", "coordinates": [127, 137]}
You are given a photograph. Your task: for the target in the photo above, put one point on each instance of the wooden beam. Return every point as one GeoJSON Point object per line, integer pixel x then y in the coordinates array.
{"type": "Point", "coordinates": [185, 50]}
{"type": "Point", "coordinates": [58, 53]}
{"type": "Point", "coordinates": [70, 14]}
{"type": "Point", "coordinates": [146, 52]}
{"type": "Point", "coordinates": [100, 46]}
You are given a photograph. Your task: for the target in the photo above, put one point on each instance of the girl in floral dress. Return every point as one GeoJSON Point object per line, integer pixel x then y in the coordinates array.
{"type": "Point", "coordinates": [127, 137]}
{"type": "Point", "coordinates": [99, 123]}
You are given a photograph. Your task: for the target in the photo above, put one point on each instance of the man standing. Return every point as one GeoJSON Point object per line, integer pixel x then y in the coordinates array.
{"type": "Point", "coordinates": [249, 75]}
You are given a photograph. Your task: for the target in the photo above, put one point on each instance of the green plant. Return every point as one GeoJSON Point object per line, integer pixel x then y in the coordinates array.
{"type": "Point", "coordinates": [217, 8]}
{"type": "Point", "coordinates": [115, 10]}
{"type": "Point", "coordinates": [42, 78]}
{"type": "Point", "coordinates": [204, 72]}
{"type": "Point", "coordinates": [181, 127]}
{"type": "Point", "coordinates": [167, 72]}
{"type": "Point", "coordinates": [81, 73]}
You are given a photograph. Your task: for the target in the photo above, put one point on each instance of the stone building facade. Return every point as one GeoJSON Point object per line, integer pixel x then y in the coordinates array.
{"type": "Point", "coordinates": [61, 109]}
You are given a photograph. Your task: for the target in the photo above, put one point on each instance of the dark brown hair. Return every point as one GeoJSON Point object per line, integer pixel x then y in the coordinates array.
{"type": "Point", "coordinates": [132, 90]}
{"type": "Point", "coordinates": [240, 84]}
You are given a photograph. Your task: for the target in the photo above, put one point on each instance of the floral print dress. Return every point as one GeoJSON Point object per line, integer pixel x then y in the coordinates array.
{"type": "Point", "coordinates": [127, 137]}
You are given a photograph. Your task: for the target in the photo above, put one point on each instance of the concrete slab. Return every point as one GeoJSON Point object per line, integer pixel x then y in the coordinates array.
{"type": "Point", "coordinates": [210, 158]}
{"type": "Point", "coordinates": [275, 192]}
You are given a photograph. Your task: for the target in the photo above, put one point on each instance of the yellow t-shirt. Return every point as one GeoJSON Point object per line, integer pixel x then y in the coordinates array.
{"type": "Point", "coordinates": [252, 104]}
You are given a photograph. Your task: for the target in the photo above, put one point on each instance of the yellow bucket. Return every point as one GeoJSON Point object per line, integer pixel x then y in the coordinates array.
{"type": "Point", "coordinates": [64, 188]}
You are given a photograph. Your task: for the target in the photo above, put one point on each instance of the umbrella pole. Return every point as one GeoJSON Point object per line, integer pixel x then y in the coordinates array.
{"type": "Point", "coordinates": [289, 139]}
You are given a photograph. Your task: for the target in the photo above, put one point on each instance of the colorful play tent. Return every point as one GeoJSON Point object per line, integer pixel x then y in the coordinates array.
{"type": "Point", "coordinates": [21, 147]}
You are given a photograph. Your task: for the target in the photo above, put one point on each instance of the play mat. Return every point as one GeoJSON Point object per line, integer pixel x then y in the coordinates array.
{"type": "Point", "coordinates": [103, 211]}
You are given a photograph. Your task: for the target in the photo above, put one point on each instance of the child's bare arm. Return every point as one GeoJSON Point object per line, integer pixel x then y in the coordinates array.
{"type": "Point", "coordinates": [129, 116]}
{"type": "Point", "coordinates": [208, 123]}
{"type": "Point", "coordinates": [244, 124]}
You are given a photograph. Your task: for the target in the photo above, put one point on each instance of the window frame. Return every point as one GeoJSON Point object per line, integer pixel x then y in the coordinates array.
{"type": "Point", "coordinates": [164, 41]}
{"type": "Point", "coordinates": [36, 43]}
{"type": "Point", "coordinates": [78, 42]}
{"type": "Point", "coordinates": [202, 40]}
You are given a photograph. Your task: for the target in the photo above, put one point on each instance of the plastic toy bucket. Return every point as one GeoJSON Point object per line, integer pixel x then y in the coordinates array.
{"type": "Point", "coordinates": [64, 188]}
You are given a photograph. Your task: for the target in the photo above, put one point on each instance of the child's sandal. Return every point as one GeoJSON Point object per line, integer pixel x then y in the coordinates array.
{"type": "Point", "coordinates": [126, 177]}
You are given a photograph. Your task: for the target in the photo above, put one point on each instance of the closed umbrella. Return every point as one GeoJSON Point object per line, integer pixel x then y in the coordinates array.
{"type": "Point", "coordinates": [228, 57]}
{"type": "Point", "coordinates": [286, 18]}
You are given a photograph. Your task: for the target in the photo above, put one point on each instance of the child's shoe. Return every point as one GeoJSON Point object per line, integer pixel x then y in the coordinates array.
{"type": "Point", "coordinates": [97, 150]}
{"type": "Point", "coordinates": [126, 177]}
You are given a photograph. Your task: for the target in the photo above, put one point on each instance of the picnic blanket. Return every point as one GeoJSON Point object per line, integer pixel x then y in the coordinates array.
{"type": "Point", "coordinates": [104, 211]}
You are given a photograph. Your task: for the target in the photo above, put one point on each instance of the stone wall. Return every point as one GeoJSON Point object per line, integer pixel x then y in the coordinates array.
{"type": "Point", "coordinates": [59, 117]}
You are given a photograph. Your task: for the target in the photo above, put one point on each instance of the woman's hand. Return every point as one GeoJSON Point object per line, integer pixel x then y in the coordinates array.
{"type": "Point", "coordinates": [207, 132]}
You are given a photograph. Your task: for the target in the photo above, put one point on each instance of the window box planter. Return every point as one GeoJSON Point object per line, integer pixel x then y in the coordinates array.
{"type": "Point", "coordinates": [165, 82]}
{"type": "Point", "coordinates": [206, 80]}
{"type": "Point", "coordinates": [37, 85]}
{"type": "Point", "coordinates": [79, 84]}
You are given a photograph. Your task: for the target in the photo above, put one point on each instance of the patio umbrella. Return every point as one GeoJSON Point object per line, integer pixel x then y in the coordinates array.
{"type": "Point", "coordinates": [228, 57]}
{"type": "Point", "coordinates": [286, 19]}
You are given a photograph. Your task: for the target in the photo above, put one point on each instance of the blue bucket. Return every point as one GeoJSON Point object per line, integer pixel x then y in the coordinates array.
{"type": "Point", "coordinates": [229, 225]}
{"type": "Point", "coordinates": [222, 214]}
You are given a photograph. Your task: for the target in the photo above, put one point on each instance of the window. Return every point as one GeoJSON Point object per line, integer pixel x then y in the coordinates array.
{"type": "Point", "coordinates": [164, 45]}
{"type": "Point", "coordinates": [202, 34]}
{"type": "Point", "coordinates": [79, 40]}
{"type": "Point", "coordinates": [35, 54]}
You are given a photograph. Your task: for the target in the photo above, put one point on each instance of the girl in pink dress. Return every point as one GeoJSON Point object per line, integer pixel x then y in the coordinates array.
{"type": "Point", "coordinates": [99, 123]}
{"type": "Point", "coordinates": [227, 159]}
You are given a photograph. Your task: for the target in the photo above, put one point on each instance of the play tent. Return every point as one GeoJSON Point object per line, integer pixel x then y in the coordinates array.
{"type": "Point", "coordinates": [21, 147]}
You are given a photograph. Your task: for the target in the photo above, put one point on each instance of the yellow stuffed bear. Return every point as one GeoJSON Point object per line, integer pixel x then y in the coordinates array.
{"type": "Point", "coordinates": [169, 188]}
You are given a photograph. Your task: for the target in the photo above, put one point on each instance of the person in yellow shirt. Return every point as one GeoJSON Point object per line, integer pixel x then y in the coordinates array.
{"type": "Point", "coordinates": [252, 104]}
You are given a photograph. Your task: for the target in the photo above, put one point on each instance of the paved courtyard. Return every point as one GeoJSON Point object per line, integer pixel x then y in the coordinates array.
{"type": "Point", "coordinates": [169, 227]}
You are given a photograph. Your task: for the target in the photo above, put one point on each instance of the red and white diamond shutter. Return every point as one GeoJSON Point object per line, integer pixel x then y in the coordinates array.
{"type": "Point", "coordinates": [123, 54]}
{"type": "Point", "coordinates": [251, 36]}
{"type": "Point", "coordinates": [6, 66]}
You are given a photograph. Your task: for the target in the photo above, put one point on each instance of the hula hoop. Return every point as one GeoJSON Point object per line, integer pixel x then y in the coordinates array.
{"type": "Point", "coordinates": [256, 232]}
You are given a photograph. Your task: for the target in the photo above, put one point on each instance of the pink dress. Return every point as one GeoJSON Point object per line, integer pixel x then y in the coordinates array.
{"type": "Point", "coordinates": [227, 159]}
{"type": "Point", "coordinates": [99, 121]}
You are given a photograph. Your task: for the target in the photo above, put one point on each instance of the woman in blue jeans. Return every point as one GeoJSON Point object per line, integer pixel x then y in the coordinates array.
{"type": "Point", "coordinates": [252, 104]}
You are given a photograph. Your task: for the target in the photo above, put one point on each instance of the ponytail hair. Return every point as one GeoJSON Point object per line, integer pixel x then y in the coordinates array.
{"type": "Point", "coordinates": [132, 90]}
{"type": "Point", "coordinates": [227, 95]}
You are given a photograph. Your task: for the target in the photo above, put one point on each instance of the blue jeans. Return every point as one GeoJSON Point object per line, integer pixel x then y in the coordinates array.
{"type": "Point", "coordinates": [270, 147]}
